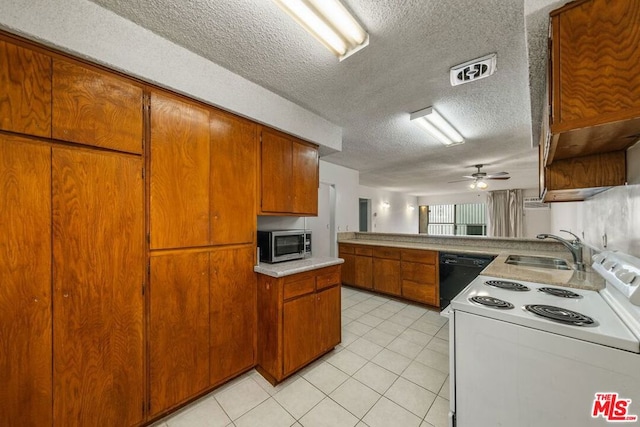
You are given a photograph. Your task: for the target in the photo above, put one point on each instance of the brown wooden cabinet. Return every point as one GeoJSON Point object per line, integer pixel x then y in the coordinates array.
{"type": "Point", "coordinates": [178, 328]}
{"type": "Point", "coordinates": [25, 90]}
{"type": "Point", "coordinates": [96, 108]}
{"type": "Point", "coordinates": [25, 291]}
{"type": "Point", "coordinates": [407, 273]}
{"type": "Point", "coordinates": [203, 175]}
{"type": "Point", "coordinates": [234, 166]}
{"type": "Point", "coordinates": [233, 316]}
{"type": "Point", "coordinates": [98, 264]}
{"type": "Point", "coordinates": [420, 278]}
{"type": "Point", "coordinates": [386, 270]}
{"type": "Point", "coordinates": [298, 320]}
{"type": "Point", "coordinates": [289, 175]}
{"type": "Point", "coordinates": [180, 152]}
{"type": "Point", "coordinates": [594, 98]}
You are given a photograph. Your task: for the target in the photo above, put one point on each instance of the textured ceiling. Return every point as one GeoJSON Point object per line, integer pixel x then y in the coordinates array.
{"type": "Point", "coordinates": [413, 43]}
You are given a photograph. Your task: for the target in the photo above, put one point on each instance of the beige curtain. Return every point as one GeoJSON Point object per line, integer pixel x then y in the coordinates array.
{"type": "Point", "coordinates": [505, 210]}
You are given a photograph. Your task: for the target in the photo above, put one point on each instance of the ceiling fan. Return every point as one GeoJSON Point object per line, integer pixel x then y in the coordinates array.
{"type": "Point", "coordinates": [479, 178]}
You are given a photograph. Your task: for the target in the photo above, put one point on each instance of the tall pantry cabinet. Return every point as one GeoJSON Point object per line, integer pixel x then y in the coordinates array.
{"type": "Point", "coordinates": [71, 249]}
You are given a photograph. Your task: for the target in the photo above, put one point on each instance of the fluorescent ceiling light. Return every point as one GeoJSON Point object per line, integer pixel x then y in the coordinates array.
{"type": "Point", "coordinates": [329, 22]}
{"type": "Point", "coordinates": [429, 120]}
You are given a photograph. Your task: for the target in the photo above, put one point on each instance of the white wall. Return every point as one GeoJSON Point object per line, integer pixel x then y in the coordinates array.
{"type": "Point", "coordinates": [86, 30]}
{"type": "Point", "coordinates": [401, 216]}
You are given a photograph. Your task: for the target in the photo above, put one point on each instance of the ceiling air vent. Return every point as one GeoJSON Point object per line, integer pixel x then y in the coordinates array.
{"type": "Point", "coordinates": [535, 203]}
{"type": "Point", "coordinates": [473, 70]}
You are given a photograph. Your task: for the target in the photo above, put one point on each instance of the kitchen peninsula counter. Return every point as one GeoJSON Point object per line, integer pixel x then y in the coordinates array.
{"type": "Point", "coordinates": [501, 248]}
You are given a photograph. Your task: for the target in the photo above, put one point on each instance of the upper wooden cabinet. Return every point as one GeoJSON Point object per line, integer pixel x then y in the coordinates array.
{"type": "Point", "coordinates": [25, 90]}
{"type": "Point", "coordinates": [594, 79]}
{"type": "Point", "coordinates": [204, 166]}
{"type": "Point", "coordinates": [25, 291]}
{"type": "Point", "coordinates": [180, 157]}
{"type": "Point", "coordinates": [234, 166]}
{"type": "Point", "coordinates": [96, 108]}
{"type": "Point", "coordinates": [289, 175]}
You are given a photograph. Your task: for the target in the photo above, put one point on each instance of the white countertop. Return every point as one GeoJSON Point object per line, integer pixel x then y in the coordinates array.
{"type": "Point", "coordinates": [287, 268]}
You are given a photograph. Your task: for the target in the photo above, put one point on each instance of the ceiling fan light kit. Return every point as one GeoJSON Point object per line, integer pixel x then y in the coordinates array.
{"type": "Point", "coordinates": [330, 23]}
{"type": "Point", "coordinates": [429, 120]}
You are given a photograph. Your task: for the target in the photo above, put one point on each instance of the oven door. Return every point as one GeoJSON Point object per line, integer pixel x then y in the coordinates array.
{"type": "Point", "coordinates": [287, 247]}
{"type": "Point", "coordinates": [508, 375]}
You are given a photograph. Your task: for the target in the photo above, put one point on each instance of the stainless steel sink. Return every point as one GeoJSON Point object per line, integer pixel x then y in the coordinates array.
{"type": "Point", "coordinates": [538, 261]}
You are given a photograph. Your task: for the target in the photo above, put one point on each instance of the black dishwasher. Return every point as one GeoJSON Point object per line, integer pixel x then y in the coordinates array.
{"type": "Point", "coordinates": [457, 271]}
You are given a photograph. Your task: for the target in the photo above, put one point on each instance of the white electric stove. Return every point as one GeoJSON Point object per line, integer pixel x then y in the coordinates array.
{"type": "Point", "coordinates": [529, 354]}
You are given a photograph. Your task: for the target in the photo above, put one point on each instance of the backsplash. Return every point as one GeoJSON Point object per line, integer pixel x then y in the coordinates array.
{"type": "Point", "coordinates": [616, 214]}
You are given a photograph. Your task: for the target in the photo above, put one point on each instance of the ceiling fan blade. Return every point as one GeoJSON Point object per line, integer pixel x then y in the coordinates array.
{"type": "Point", "coordinates": [497, 177]}
{"type": "Point", "coordinates": [497, 174]}
{"type": "Point", "coordinates": [469, 177]}
{"type": "Point", "coordinates": [459, 180]}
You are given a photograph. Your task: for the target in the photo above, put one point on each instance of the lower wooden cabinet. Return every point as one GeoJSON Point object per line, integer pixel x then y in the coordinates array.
{"type": "Point", "coordinates": [202, 322]}
{"type": "Point", "coordinates": [406, 273]}
{"type": "Point", "coordinates": [298, 320]}
{"type": "Point", "coordinates": [233, 320]}
{"type": "Point", "coordinates": [178, 329]}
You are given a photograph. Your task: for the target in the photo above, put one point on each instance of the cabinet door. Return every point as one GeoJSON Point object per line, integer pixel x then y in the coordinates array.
{"type": "Point", "coordinates": [328, 321]}
{"type": "Point", "coordinates": [96, 108]}
{"type": "Point", "coordinates": [233, 312]}
{"type": "Point", "coordinates": [299, 332]}
{"type": "Point", "coordinates": [25, 290]}
{"type": "Point", "coordinates": [305, 181]}
{"type": "Point", "coordinates": [387, 276]}
{"type": "Point", "coordinates": [364, 272]}
{"type": "Point", "coordinates": [596, 46]}
{"type": "Point", "coordinates": [234, 166]}
{"type": "Point", "coordinates": [276, 173]}
{"type": "Point", "coordinates": [179, 213]}
{"type": "Point", "coordinates": [25, 90]}
{"type": "Point", "coordinates": [178, 328]}
{"type": "Point", "coordinates": [348, 268]}
{"type": "Point", "coordinates": [98, 264]}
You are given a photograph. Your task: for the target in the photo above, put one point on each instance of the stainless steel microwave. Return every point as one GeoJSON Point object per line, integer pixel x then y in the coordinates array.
{"type": "Point", "coordinates": [284, 245]}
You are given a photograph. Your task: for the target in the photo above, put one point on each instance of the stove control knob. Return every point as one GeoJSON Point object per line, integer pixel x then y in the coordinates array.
{"type": "Point", "coordinates": [625, 276]}
{"type": "Point", "coordinates": [609, 265]}
{"type": "Point", "coordinates": [598, 258]}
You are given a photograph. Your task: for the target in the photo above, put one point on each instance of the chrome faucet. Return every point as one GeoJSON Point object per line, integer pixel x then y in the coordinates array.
{"type": "Point", "coordinates": [575, 247]}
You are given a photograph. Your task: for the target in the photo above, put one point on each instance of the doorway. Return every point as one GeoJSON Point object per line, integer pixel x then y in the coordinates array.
{"type": "Point", "coordinates": [365, 215]}
{"type": "Point", "coordinates": [323, 227]}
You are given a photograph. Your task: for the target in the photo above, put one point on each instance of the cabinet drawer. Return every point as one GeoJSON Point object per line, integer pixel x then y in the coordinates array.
{"type": "Point", "coordinates": [346, 249]}
{"type": "Point", "coordinates": [363, 251]}
{"type": "Point", "coordinates": [328, 277]}
{"type": "Point", "coordinates": [416, 255]}
{"type": "Point", "coordinates": [421, 292]}
{"type": "Point", "coordinates": [422, 273]}
{"type": "Point", "coordinates": [389, 253]}
{"type": "Point", "coordinates": [299, 287]}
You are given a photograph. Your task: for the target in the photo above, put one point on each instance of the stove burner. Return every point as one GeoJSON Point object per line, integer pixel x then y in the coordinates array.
{"type": "Point", "coordinates": [510, 286]}
{"type": "Point", "coordinates": [561, 315]}
{"type": "Point", "coordinates": [564, 293]}
{"type": "Point", "coordinates": [492, 302]}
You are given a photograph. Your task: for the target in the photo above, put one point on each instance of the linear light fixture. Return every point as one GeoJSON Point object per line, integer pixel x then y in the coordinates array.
{"type": "Point", "coordinates": [429, 120]}
{"type": "Point", "coordinates": [329, 22]}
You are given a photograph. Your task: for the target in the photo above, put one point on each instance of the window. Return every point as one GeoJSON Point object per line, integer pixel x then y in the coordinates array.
{"type": "Point", "coordinates": [454, 220]}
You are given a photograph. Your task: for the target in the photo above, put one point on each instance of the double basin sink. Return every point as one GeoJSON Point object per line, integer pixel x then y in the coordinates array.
{"type": "Point", "coordinates": [539, 262]}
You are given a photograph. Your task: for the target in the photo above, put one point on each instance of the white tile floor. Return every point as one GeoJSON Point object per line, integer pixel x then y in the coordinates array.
{"type": "Point", "coordinates": [391, 369]}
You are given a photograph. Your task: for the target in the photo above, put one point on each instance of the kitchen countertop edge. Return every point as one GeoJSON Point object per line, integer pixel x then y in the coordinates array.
{"type": "Point", "coordinates": [287, 268]}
